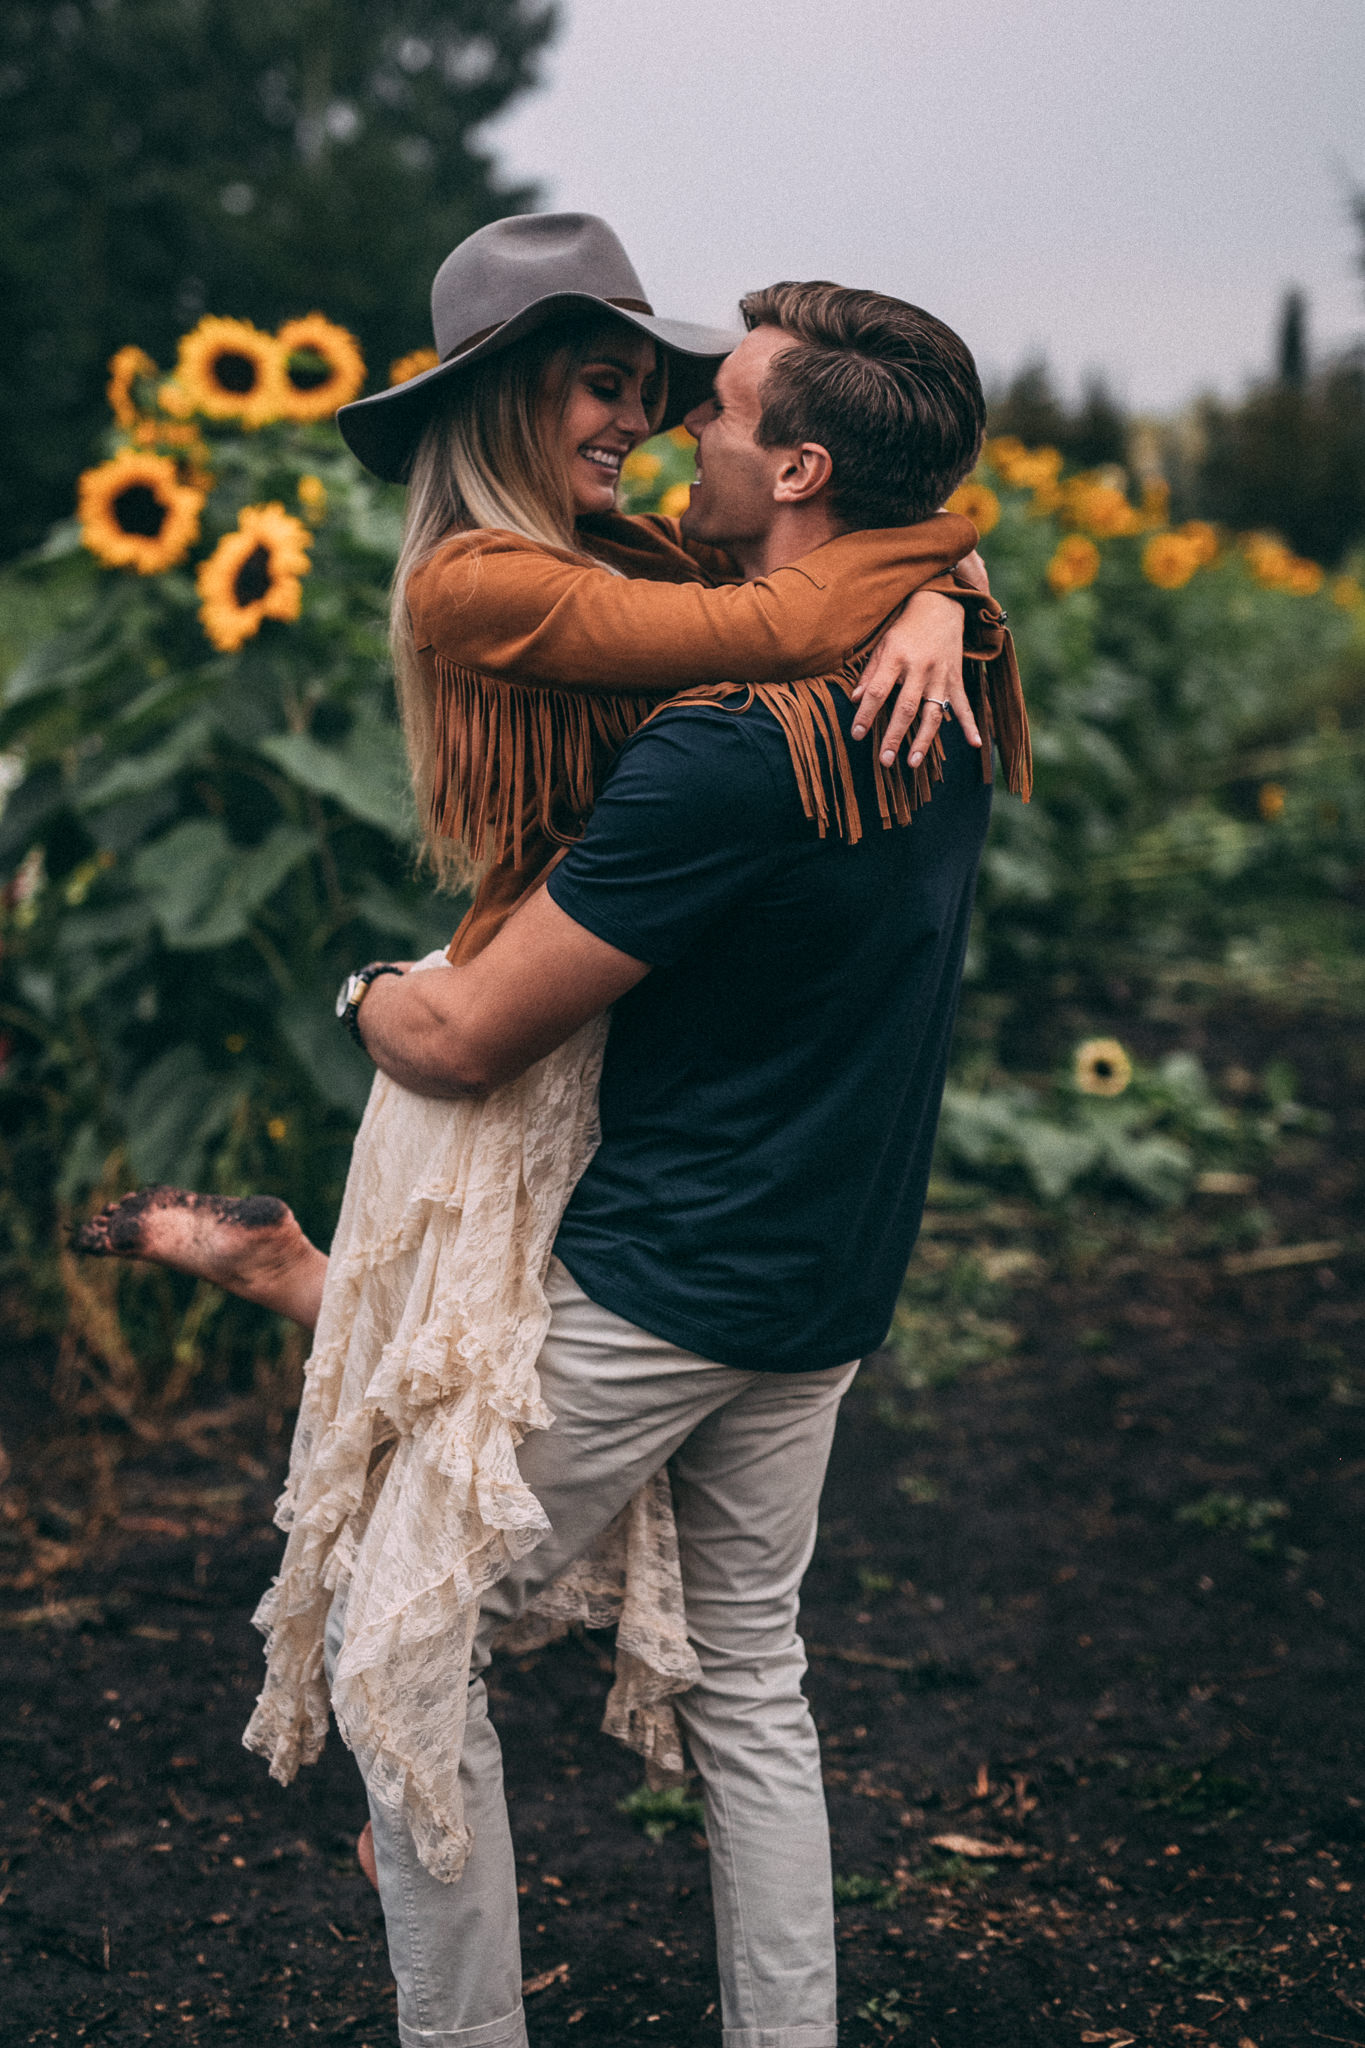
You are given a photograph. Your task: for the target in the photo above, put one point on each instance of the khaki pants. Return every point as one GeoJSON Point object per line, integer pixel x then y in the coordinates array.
{"type": "Point", "coordinates": [746, 1453]}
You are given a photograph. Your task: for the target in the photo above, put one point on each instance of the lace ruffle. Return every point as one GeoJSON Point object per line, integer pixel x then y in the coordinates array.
{"type": "Point", "coordinates": [403, 1485]}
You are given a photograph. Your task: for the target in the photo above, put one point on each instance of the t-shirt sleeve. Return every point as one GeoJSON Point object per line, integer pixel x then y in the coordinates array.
{"type": "Point", "coordinates": [691, 820]}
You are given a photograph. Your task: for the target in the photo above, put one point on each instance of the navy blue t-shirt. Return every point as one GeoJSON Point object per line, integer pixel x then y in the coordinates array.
{"type": "Point", "coordinates": [771, 1089]}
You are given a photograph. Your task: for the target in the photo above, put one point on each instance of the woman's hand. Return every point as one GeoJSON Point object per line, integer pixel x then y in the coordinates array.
{"type": "Point", "coordinates": [920, 655]}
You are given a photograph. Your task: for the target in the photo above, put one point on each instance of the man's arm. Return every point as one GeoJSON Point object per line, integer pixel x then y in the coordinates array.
{"type": "Point", "coordinates": [453, 1031]}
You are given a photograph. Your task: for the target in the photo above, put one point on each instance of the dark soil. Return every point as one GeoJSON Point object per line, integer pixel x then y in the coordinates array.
{"type": "Point", "coordinates": [1016, 1639]}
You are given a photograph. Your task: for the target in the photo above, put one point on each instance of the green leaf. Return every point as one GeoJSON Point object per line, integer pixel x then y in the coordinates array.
{"type": "Point", "coordinates": [204, 889]}
{"type": "Point", "coordinates": [337, 1068]}
{"type": "Point", "coordinates": [174, 1107]}
{"type": "Point", "coordinates": [137, 774]}
{"type": "Point", "coordinates": [366, 775]}
{"type": "Point", "coordinates": [1054, 1158]}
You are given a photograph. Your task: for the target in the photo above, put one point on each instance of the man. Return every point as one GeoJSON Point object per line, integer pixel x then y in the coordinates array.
{"type": "Point", "coordinates": [781, 1009]}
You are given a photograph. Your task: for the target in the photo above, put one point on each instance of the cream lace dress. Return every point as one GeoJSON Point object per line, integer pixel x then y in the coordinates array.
{"type": "Point", "coordinates": [403, 1489]}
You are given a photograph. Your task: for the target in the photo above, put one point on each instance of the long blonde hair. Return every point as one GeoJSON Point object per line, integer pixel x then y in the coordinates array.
{"type": "Point", "coordinates": [485, 460]}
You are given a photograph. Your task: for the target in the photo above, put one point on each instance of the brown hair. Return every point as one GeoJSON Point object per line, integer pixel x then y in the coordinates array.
{"type": "Point", "coordinates": [889, 391]}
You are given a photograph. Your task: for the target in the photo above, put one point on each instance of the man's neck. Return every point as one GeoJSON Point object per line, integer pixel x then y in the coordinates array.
{"type": "Point", "coordinates": [795, 530]}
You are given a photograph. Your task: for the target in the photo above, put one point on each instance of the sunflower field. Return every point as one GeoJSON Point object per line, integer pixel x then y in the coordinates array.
{"type": "Point", "coordinates": [206, 821]}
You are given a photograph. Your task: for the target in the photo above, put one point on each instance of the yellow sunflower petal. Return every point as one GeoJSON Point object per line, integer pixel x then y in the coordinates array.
{"type": "Point", "coordinates": [228, 369]}
{"type": "Point", "coordinates": [1102, 1067]}
{"type": "Point", "coordinates": [412, 365]}
{"type": "Point", "coordinates": [1075, 564]}
{"type": "Point", "coordinates": [135, 512]}
{"type": "Point", "coordinates": [316, 394]}
{"type": "Point", "coordinates": [978, 503]}
{"type": "Point", "coordinates": [252, 575]}
{"type": "Point", "coordinates": [127, 368]}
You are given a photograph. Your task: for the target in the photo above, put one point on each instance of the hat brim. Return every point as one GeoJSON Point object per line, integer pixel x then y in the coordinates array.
{"type": "Point", "coordinates": [383, 431]}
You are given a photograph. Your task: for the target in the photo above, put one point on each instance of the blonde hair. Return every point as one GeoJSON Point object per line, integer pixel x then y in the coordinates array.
{"type": "Point", "coordinates": [485, 460]}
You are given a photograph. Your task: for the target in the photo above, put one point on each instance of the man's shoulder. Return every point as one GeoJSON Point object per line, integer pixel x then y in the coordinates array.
{"type": "Point", "coordinates": [720, 756]}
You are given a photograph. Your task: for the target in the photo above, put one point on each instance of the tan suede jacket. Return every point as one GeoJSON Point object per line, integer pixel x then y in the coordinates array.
{"type": "Point", "coordinates": [541, 666]}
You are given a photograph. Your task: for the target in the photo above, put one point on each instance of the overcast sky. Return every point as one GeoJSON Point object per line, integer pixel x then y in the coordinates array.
{"type": "Point", "coordinates": [1128, 185]}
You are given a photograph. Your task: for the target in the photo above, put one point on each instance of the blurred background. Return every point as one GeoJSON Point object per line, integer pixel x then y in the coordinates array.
{"type": "Point", "coordinates": [1138, 1286]}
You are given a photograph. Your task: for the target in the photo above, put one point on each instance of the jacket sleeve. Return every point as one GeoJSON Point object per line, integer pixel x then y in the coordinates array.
{"type": "Point", "coordinates": [502, 606]}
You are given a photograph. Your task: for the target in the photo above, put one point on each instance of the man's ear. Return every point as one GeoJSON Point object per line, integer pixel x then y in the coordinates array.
{"type": "Point", "coordinates": [804, 473]}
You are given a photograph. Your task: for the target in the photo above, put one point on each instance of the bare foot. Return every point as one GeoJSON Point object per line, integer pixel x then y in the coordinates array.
{"type": "Point", "coordinates": [252, 1245]}
{"type": "Point", "coordinates": [364, 1850]}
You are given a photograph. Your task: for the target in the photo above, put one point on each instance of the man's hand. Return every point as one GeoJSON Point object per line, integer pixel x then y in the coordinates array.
{"type": "Point", "coordinates": [452, 1031]}
{"type": "Point", "coordinates": [920, 654]}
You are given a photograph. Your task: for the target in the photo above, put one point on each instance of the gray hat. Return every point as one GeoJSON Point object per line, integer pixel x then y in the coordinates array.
{"type": "Point", "coordinates": [504, 281]}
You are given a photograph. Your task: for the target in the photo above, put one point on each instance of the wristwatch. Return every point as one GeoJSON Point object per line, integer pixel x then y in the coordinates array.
{"type": "Point", "coordinates": [352, 994]}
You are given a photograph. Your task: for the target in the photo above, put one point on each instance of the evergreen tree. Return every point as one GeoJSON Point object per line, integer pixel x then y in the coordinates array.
{"type": "Point", "coordinates": [1293, 343]}
{"type": "Point", "coordinates": [1030, 406]}
{"type": "Point", "coordinates": [1291, 456]}
{"type": "Point", "coordinates": [163, 158]}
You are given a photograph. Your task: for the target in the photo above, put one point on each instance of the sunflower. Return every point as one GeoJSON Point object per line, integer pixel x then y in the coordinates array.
{"type": "Point", "coordinates": [127, 368]}
{"type": "Point", "coordinates": [313, 498]}
{"type": "Point", "coordinates": [412, 365]}
{"type": "Point", "coordinates": [1169, 560]}
{"type": "Point", "coordinates": [1347, 592]}
{"type": "Point", "coordinates": [323, 367]}
{"type": "Point", "coordinates": [1100, 507]}
{"type": "Point", "coordinates": [1203, 538]}
{"type": "Point", "coordinates": [1102, 1067]}
{"type": "Point", "coordinates": [675, 500]}
{"type": "Point", "coordinates": [135, 513]}
{"type": "Point", "coordinates": [253, 575]}
{"type": "Point", "coordinates": [229, 370]}
{"type": "Point", "coordinates": [1075, 564]}
{"type": "Point", "coordinates": [978, 503]}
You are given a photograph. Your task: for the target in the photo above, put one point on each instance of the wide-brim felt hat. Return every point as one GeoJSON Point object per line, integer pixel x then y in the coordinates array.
{"type": "Point", "coordinates": [505, 281]}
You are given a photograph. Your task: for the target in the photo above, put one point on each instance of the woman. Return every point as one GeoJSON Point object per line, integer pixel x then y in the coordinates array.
{"type": "Point", "coordinates": [533, 630]}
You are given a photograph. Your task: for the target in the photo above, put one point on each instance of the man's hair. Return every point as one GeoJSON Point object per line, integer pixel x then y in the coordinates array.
{"type": "Point", "coordinates": [890, 392]}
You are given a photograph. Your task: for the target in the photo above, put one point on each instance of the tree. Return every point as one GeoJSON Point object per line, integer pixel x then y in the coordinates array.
{"type": "Point", "coordinates": [163, 158]}
{"type": "Point", "coordinates": [1291, 456]}
{"type": "Point", "coordinates": [1095, 433]}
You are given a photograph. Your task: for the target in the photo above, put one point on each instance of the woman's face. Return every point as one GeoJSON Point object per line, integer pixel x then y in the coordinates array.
{"type": "Point", "coordinates": [606, 414]}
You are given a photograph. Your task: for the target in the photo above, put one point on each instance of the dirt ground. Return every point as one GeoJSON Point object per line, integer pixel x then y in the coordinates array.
{"type": "Point", "coordinates": [1148, 1718]}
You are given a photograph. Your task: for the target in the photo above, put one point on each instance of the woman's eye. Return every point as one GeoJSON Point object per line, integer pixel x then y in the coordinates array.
{"type": "Point", "coordinates": [609, 392]}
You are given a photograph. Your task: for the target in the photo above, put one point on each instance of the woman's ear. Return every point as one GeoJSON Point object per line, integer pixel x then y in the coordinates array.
{"type": "Point", "coordinates": [804, 474]}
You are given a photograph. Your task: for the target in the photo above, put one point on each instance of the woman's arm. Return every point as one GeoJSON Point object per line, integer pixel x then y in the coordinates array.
{"type": "Point", "coordinates": [505, 607]}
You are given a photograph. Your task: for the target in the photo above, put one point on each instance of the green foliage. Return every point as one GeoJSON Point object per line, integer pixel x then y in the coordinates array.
{"type": "Point", "coordinates": [659, 1813]}
{"type": "Point", "coordinates": [1210, 1961]}
{"type": "Point", "coordinates": [1200, 764]}
{"type": "Point", "coordinates": [1147, 1140]}
{"type": "Point", "coordinates": [1234, 1514]}
{"type": "Point", "coordinates": [857, 1890]}
{"type": "Point", "coordinates": [161, 159]}
{"type": "Point", "coordinates": [200, 846]}
{"type": "Point", "coordinates": [1193, 1792]}
{"type": "Point", "coordinates": [887, 2014]}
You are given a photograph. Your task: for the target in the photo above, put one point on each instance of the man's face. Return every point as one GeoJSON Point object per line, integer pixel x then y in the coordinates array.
{"type": "Point", "coordinates": [732, 500]}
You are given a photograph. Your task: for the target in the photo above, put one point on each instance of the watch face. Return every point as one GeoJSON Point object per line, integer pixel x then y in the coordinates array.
{"type": "Point", "coordinates": [346, 993]}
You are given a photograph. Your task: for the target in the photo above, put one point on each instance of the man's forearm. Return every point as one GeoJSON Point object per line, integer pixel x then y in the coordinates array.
{"type": "Point", "coordinates": [412, 1030]}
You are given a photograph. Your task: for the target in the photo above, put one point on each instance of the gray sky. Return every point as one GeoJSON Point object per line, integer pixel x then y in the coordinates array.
{"type": "Point", "coordinates": [1127, 184]}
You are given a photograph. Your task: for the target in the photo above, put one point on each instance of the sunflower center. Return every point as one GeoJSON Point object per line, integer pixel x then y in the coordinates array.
{"type": "Point", "coordinates": [308, 369]}
{"type": "Point", "coordinates": [1103, 1070]}
{"type": "Point", "coordinates": [252, 580]}
{"type": "Point", "coordinates": [236, 372]}
{"type": "Point", "coordinates": [139, 510]}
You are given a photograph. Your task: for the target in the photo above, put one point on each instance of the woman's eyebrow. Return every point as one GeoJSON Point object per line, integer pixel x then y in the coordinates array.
{"type": "Point", "coordinates": [615, 363]}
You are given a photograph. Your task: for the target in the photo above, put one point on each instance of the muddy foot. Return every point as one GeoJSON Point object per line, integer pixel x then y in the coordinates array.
{"type": "Point", "coordinates": [364, 1850]}
{"type": "Point", "coordinates": [251, 1245]}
